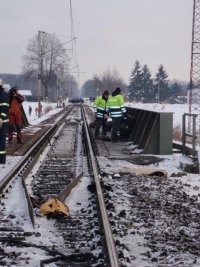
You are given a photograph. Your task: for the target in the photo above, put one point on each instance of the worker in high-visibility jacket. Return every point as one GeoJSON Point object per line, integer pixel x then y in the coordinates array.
{"type": "Point", "coordinates": [4, 105]}
{"type": "Point", "coordinates": [115, 107]}
{"type": "Point", "coordinates": [101, 114]}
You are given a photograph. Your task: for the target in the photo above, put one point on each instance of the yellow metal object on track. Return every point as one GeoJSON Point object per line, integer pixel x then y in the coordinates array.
{"type": "Point", "coordinates": [54, 206]}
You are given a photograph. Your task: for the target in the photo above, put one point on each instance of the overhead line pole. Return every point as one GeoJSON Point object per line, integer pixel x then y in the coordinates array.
{"type": "Point", "coordinates": [74, 52]}
{"type": "Point", "coordinates": [40, 72]}
{"type": "Point", "coordinates": [194, 90]}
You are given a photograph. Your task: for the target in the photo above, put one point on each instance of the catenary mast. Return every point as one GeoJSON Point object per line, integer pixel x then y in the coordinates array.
{"type": "Point", "coordinates": [194, 87]}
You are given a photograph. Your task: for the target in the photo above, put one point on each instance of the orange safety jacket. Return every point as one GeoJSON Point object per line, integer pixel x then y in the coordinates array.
{"type": "Point", "coordinates": [15, 105]}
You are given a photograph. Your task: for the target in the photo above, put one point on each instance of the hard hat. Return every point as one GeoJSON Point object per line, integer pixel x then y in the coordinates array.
{"type": "Point", "coordinates": [6, 87]}
{"type": "Point", "coordinates": [1, 82]}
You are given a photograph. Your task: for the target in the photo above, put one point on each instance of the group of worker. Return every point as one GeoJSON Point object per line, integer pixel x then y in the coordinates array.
{"type": "Point", "coordinates": [10, 117]}
{"type": "Point", "coordinates": [113, 106]}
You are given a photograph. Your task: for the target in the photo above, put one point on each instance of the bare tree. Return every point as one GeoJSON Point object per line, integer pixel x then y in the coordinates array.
{"type": "Point", "coordinates": [110, 80]}
{"type": "Point", "coordinates": [45, 58]}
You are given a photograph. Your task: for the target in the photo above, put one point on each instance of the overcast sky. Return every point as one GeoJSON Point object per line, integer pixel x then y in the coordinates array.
{"type": "Point", "coordinates": [111, 34]}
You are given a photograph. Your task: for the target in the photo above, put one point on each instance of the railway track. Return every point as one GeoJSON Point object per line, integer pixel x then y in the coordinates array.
{"type": "Point", "coordinates": [117, 216]}
{"type": "Point", "coordinates": [76, 240]}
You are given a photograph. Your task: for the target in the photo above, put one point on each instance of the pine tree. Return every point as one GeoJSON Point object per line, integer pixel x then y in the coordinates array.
{"type": "Point", "coordinates": [175, 89]}
{"type": "Point", "coordinates": [147, 84]}
{"type": "Point", "coordinates": [135, 83]}
{"type": "Point", "coordinates": [161, 85]}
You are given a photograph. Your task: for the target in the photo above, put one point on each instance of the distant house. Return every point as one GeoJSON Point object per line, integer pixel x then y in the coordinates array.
{"type": "Point", "coordinates": [27, 95]}
{"type": "Point", "coordinates": [25, 92]}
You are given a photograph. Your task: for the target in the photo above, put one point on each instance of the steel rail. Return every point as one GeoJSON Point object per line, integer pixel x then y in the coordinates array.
{"type": "Point", "coordinates": [29, 159]}
{"type": "Point", "coordinates": [32, 151]}
{"type": "Point", "coordinates": [112, 252]}
{"type": "Point", "coordinates": [24, 159]}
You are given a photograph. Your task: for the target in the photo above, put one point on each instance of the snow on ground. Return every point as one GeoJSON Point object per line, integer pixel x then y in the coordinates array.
{"type": "Point", "coordinates": [171, 164]}
{"type": "Point", "coordinates": [48, 109]}
{"type": "Point", "coordinates": [33, 120]}
{"type": "Point", "coordinates": [145, 207]}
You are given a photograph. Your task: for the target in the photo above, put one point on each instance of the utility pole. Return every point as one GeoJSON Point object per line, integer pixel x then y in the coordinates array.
{"type": "Point", "coordinates": [194, 89]}
{"type": "Point", "coordinates": [39, 74]}
{"type": "Point", "coordinates": [70, 86]}
{"type": "Point", "coordinates": [57, 90]}
{"type": "Point", "coordinates": [40, 71]}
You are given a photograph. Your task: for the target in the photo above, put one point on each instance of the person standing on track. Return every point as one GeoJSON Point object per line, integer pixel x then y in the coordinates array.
{"type": "Point", "coordinates": [117, 110]}
{"type": "Point", "coordinates": [101, 114]}
{"type": "Point", "coordinates": [29, 110]}
{"type": "Point", "coordinates": [36, 110]}
{"type": "Point", "coordinates": [4, 105]}
{"type": "Point", "coordinates": [14, 114]}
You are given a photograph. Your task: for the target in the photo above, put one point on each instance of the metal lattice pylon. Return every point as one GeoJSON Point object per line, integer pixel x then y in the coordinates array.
{"type": "Point", "coordinates": [194, 92]}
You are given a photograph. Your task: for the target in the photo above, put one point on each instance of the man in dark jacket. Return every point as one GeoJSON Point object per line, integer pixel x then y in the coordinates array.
{"type": "Point", "coordinates": [4, 105]}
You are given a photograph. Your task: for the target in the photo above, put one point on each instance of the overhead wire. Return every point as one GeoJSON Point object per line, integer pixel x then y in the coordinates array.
{"type": "Point", "coordinates": [73, 38]}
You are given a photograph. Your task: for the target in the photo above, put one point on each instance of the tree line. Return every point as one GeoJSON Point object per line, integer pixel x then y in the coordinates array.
{"type": "Point", "coordinates": [142, 87]}
{"type": "Point", "coordinates": [46, 62]}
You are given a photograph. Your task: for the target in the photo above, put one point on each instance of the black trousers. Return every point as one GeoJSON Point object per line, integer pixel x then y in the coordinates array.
{"type": "Point", "coordinates": [115, 135]}
{"type": "Point", "coordinates": [3, 132]}
{"type": "Point", "coordinates": [98, 123]}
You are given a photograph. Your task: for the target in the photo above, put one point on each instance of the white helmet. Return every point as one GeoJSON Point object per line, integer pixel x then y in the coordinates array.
{"type": "Point", "coordinates": [1, 82]}
{"type": "Point", "coordinates": [6, 87]}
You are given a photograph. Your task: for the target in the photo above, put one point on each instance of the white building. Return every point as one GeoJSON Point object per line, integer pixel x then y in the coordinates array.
{"type": "Point", "coordinates": [26, 94]}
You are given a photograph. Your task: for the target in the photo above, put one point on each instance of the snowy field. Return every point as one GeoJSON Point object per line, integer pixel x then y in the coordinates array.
{"type": "Point", "coordinates": [177, 109]}
{"type": "Point", "coordinates": [48, 109]}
